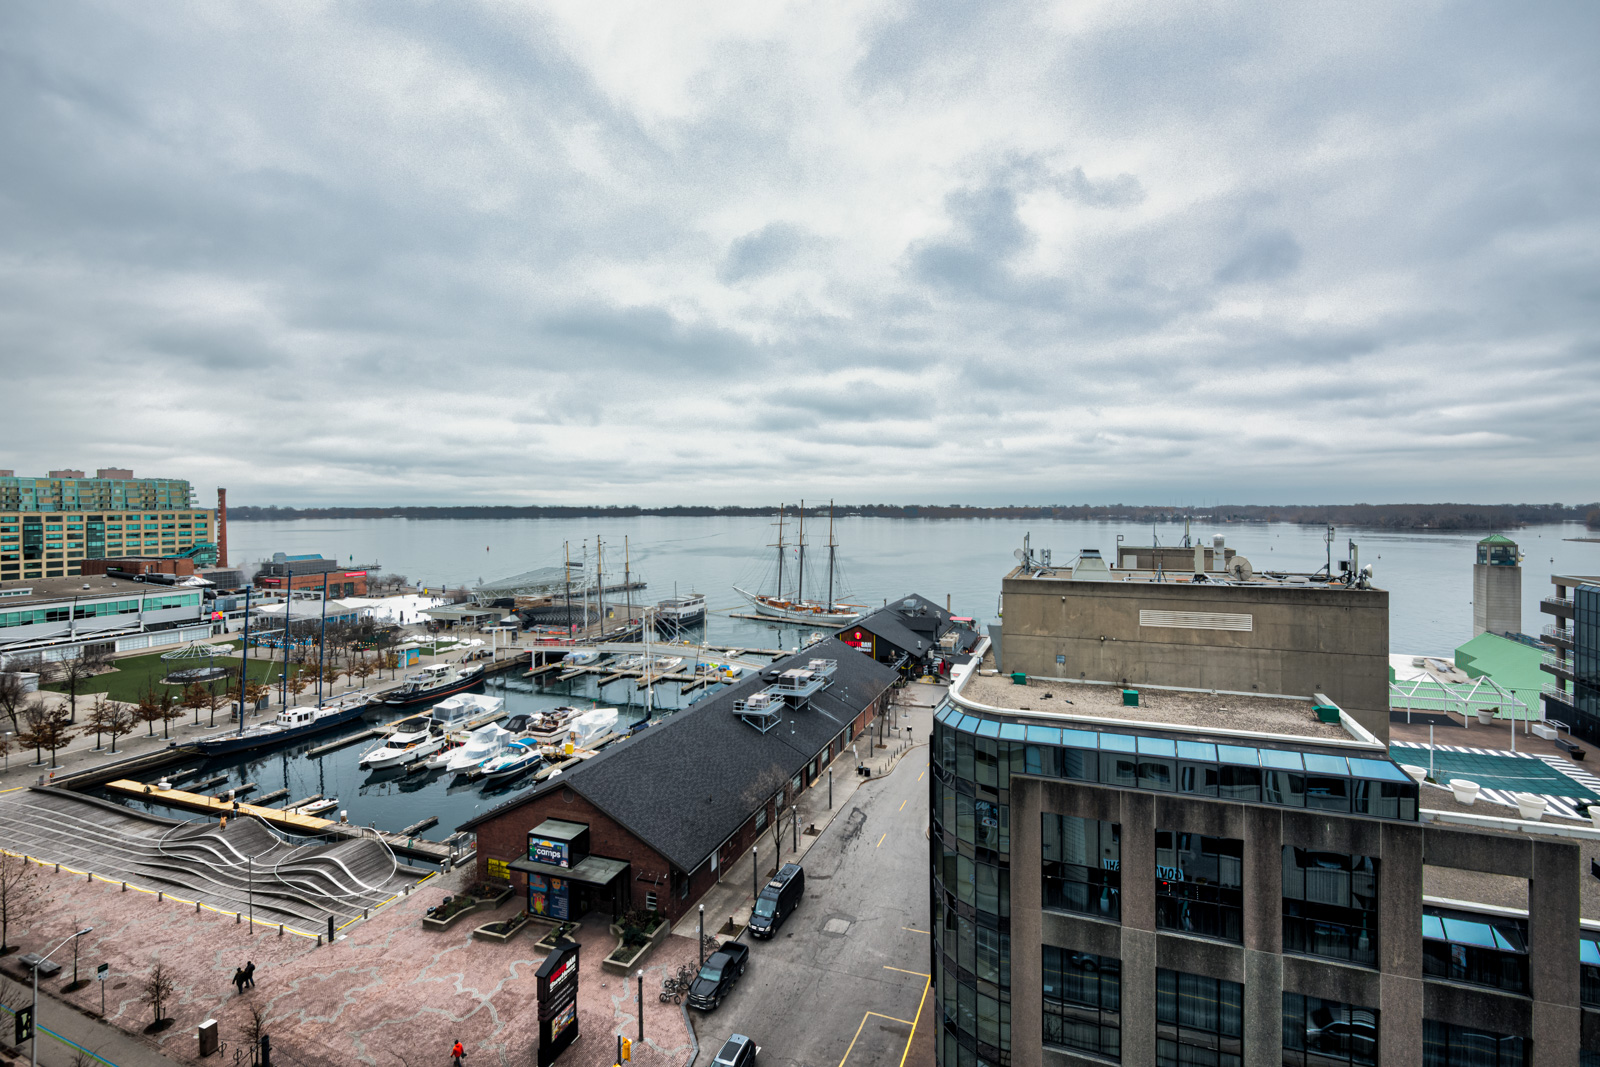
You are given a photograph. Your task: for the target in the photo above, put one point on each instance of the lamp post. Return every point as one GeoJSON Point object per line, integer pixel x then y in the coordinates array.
{"type": "Point", "coordinates": [34, 1043]}
{"type": "Point", "coordinates": [702, 935]}
{"type": "Point", "coordinates": [755, 875]}
{"type": "Point", "coordinates": [641, 1004]}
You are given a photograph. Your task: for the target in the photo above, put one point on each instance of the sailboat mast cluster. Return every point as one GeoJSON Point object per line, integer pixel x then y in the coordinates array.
{"type": "Point", "coordinates": [797, 608]}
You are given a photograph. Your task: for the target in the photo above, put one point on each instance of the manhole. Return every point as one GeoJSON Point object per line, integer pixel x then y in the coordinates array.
{"type": "Point", "coordinates": [836, 926]}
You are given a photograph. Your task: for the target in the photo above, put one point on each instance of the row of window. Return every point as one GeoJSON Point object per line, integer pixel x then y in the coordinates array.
{"type": "Point", "coordinates": [1199, 1022]}
{"type": "Point", "coordinates": [1330, 901]}
{"type": "Point", "coordinates": [65, 613]}
{"type": "Point", "coordinates": [987, 752]}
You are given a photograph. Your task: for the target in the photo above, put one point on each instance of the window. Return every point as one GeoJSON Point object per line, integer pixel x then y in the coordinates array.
{"type": "Point", "coordinates": [1461, 946]}
{"type": "Point", "coordinates": [1199, 1021]}
{"type": "Point", "coordinates": [1083, 865]}
{"type": "Point", "coordinates": [1445, 1045]}
{"type": "Point", "coordinates": [1083, 1001]}
{"type": "Point", "coordinates": [1589, 972]}
{"type": "Point", "coordinates": [1322, 1033]}
{"type": "Point", "coordinates": [650, 901]}
{"type": "Point", "coordinates": [761, 819]}
{"type": "Point", "coordinates": [1330, 905]}
{"type": "Point", "coordinates": [1200, 885]}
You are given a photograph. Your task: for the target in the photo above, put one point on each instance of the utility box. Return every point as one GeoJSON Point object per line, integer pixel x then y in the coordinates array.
{"type": "Point", "coordinates": [1130, 698]}
{"type": "Point", "coordinates": [1019, 678]}
{"type": "Point", "coordinates": [208, 1037]}
{"type": "Point", "coordinates": [1327, 713]}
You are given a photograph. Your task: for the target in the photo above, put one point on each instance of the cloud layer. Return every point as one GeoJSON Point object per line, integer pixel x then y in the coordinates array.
{"type": "Point", "coordinates": [895, 250]}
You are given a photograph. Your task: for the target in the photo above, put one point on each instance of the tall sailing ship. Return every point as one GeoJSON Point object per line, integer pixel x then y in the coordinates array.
{"type": "Point", "coordinates": [796, 608]}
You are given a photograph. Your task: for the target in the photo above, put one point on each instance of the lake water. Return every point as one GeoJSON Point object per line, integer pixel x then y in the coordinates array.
{"type": "Point", "coordinates": [1429, 576]}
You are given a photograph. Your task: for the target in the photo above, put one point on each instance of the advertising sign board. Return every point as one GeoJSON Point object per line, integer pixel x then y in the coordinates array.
{"type": "Point", "coordinates": [557, 991]}
{"type": "Point", "coordinates": [546, 850]}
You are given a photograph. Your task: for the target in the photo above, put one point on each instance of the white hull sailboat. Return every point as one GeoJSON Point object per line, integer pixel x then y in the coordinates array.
{"type": "Point", "coordinates": [797, 608]}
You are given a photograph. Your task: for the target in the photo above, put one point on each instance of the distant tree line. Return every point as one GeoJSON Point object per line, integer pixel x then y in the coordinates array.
{"type": "Point", "coordinates": [1392, 516]}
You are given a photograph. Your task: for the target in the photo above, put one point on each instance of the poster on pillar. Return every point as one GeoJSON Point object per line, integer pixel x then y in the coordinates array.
{"type": "Point", "coordinates": [549, 896]}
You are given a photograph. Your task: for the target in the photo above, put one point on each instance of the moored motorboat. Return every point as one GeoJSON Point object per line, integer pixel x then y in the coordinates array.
{"type": "Point", "coordinates": [520, 756]}
{"type": "Point", "coordinates": [483, 745]}
{"type": "Point", "coordinates": [466, 711]}
{"type": "Point", "coordinates": [291, 724]}
{"type": "Point", "coordinates": [405, 745]}
{"type": "Point", "coordinates": [431, 683]}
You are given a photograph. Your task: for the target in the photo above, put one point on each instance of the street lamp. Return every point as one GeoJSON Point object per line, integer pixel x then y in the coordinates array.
{"type": "Point", "coordinates": [34, 1043]}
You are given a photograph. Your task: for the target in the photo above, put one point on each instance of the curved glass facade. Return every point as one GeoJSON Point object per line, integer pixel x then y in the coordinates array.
{"type": "Point", "coordinates": [972, 760]}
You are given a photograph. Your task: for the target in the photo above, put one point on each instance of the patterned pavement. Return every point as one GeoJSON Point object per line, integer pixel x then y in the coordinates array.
{"type": "Point", "coordinates": [389, 993]}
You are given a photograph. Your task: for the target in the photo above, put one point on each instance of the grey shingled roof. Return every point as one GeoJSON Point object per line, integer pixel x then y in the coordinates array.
{"type": "Point", "coordinates": [686, 784]}
{"type": "Point", "coordinates": [889, 623]}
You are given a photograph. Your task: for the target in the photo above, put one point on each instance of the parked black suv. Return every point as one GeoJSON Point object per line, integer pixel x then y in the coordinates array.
{"type": "Point", "coordinates": [719, 975]}
{"type": "Point", "coordinates": [778, 898]}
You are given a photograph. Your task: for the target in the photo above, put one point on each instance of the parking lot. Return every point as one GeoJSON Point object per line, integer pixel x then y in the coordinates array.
{"type": "Point", "coordinates": [843, 982]}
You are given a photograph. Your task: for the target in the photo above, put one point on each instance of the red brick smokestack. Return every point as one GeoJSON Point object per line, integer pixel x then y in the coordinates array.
{"type": "Point", "coordinates": [222, 527]}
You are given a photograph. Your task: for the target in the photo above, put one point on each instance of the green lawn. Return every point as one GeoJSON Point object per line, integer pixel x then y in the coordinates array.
{"type": "Point", "coordinates": [134, 674]}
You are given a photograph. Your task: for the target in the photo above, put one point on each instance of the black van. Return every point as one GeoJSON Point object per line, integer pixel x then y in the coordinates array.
{"type": "Point", "coordinates": [778, 898]}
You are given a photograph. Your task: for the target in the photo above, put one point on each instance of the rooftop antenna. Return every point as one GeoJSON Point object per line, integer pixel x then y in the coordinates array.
{"type": "Point", "coordinates": [1186, 543]}
{"type": "Point", "coordinates": [1327, 538]}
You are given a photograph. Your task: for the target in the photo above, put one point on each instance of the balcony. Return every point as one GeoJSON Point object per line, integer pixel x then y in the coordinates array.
{"type": "Point", "coordinates": [1559, 606]}
{"type": "Point", "coordinates": [1557, 695]}
{"type": "Point", "coordinates": [1558, 636]}
{"type": "Point", "coordinates": [1557, 664]}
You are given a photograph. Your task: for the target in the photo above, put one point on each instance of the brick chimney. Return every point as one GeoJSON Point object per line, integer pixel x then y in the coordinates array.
{"type": "Point", "coordinates": [222, 527]}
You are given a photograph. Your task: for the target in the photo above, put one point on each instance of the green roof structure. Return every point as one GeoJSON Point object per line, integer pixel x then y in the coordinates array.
{"type": "Point", "coordinates": [1497, 539]}
{"type": "Point", "coordinates": [1513, 665]}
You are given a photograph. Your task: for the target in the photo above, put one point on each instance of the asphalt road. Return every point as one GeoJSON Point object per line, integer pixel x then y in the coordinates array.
{"type": "Point", "coordinates": [842, 983]}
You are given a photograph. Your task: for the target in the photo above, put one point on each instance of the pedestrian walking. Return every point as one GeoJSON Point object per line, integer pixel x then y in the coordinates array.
{"type": "Point", "coordinates": [456, 1053]}
{"type": "Point", "coordinates": [249, 974]}
{"type": "Point", "coordinates": [238, 980]}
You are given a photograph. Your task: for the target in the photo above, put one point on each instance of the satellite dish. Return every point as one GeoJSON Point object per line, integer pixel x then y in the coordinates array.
{"type": "Point", "coordinates": [1239, 569]}
{"type": "Point", "coordinates": [1017, 554]}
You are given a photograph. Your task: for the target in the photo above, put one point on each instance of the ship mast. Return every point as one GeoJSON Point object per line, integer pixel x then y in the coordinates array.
{"type": "Point", "coordinates": [800, 580]}
{"type": "Point", "coordinates": [828, 607]}
{"type": "Point", "coordinates": [779, 591]}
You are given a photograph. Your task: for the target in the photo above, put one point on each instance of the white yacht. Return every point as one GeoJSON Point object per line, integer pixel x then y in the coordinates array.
{"type": "Point", "coordinates": [482, 745]}
{"type": "Point", "coordinates": [466, 711]}
{"type": "Point", "coordinates": [405, 745]}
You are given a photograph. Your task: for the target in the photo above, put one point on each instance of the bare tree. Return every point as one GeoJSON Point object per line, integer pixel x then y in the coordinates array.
{"type": "Point", "coordinates": [195, 698]}
{"type": "Point", "coordinates": [22, 895]}
{"type": "Point", "coordinates": [47, 728]}
{"type": "Point", "coordinates": [12, 697]}
{"type": "Point", "coordinates": [5, 747]}
{"type": "Point", "coordinates": [72, 673]}
{"type": "Point", "coordinates": [254, 1026]}
{"type": "Point", "coordinates": [169, 710]}
{"type": "Point", "coordinates": [149, 709]}
{"type": "Point", "coordinates": [110, 717]}
{"type": "Point", "coordinates": [156, 989]}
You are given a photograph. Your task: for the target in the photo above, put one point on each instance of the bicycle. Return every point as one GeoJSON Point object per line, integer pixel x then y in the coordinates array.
{"type": "Point", "coordinates": [710, 943]}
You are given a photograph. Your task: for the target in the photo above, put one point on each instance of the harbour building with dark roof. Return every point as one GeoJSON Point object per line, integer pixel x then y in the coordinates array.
{"type": "Point", "coordinates": [913, 635]}
{"type": "Point", "coordinates": [652, 821]}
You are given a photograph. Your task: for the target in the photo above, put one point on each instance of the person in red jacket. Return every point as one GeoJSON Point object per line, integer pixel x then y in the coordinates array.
{"type": "Point", "coordinates": [456, 1053]}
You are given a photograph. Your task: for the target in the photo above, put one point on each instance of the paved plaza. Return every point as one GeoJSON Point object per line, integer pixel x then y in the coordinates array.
{"type": "Point", "coordinates": [389, 993]}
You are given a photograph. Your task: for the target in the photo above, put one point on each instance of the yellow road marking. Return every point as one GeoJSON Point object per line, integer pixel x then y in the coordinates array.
{"type": "Point", "coordinates": [880, 840]}
{"type": "Point", "coordinates": [13, 789]}
{"type": "Point", "coordinates": [919, 777]}
{"type": "Point", "coordinates": [914, 1022]}
{"type": "Point", "coordinates": [914, 930]}
{"type": "Point", "coordinates": [903, 804]}
{"type": "Point", "coordinates": [906, 1022]}
{"type": "Point", "coordinates": [902, 970]}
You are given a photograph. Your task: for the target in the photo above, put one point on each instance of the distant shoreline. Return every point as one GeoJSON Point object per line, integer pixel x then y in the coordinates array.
{"type": "Point", "coordinates": [1443, 517]}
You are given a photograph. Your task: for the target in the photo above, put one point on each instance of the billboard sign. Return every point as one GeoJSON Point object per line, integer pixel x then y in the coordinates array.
{"type": "Point", "coordinates": [557, 991]}
{"type": "Point", "coordinates": [548, 850]}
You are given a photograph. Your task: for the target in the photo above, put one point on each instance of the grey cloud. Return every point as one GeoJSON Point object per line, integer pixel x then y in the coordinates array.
{"type": "Point", "coordinates": [762, 251]}
{"type": "Point", "coordinates": [1265, 258]}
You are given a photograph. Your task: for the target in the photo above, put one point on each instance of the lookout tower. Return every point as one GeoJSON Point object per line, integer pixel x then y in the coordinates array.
{"type": "Point", "coordinates": [1497, 587]}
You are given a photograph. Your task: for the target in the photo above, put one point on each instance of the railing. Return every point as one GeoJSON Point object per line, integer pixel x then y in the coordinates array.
{"type": "Point", "coordinates": [1560, 695]}
{"type": "Point", "coordinates": [1556, 605]}
{"type": "Point", "coordinates": [1555, 661]}
{"type": "Point", "coordinates": [1560, 634]}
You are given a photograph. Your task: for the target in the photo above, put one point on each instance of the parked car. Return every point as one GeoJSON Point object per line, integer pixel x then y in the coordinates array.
{"type": "Point", "coordinates": [737, 1051]}
{"type": "Point", "coordinates": [719, 975]}
{"type": "Point", "coordinates": [778, 898]}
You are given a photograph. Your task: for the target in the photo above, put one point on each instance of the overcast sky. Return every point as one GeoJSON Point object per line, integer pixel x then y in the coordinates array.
{"type": "Point", "coordinates": [741, 252]}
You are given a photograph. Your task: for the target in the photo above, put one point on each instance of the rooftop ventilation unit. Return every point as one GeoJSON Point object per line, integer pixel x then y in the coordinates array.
{"type": "Point", "coordinates": [761, 710]}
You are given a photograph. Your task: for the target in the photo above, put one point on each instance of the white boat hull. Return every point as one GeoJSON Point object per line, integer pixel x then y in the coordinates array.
{"type": "Point", "coordinates": [813, 617]}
